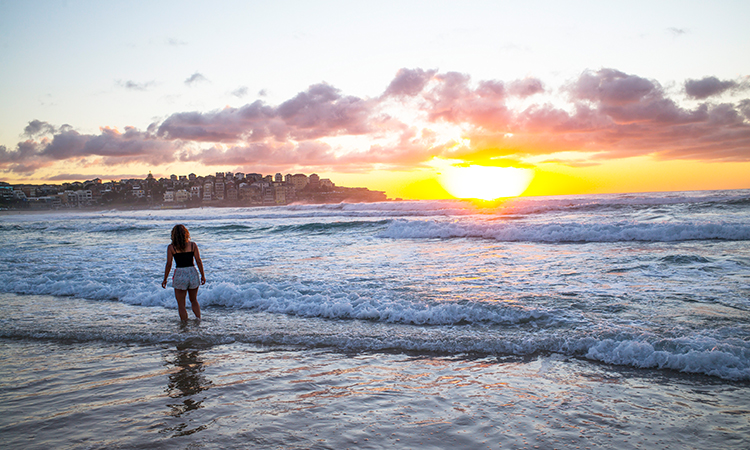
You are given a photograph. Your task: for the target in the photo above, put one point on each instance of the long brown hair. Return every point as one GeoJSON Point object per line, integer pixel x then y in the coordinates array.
{"type": "Point", "coordinates": [180, 237]}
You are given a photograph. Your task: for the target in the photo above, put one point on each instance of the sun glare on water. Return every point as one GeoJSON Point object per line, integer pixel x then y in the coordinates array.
{"type": "Point", "coordinates": [484, 182]}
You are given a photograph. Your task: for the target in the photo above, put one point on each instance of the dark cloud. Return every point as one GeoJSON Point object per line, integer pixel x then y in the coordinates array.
{"type": "Point", "coordinates": [409, 82]}
{"type": "Point", "coordinates": [322, 111]}
{"type": "Point", "coordinates": [708, 87]}
{"type": "Point", "coordinates": [67, 144]}
{"type": "Point", "coordinates": [195, 78]}
{"type": "Point", "coordinates": [23, 160]}
{"type": "Point", "coordinates": [744, 107]}
{"type": "Point", "coordinates": [612, 87]}
{"type": "Point", "coordinates": [319, 111]}
{"type": "Point", "coordinates": [255, 121]}
{"type": "Point", "coordinates": [37, 128]}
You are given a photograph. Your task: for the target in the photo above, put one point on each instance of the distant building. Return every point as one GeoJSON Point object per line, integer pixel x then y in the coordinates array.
{"type": "Point", "coordinates": [278, 178]}
{"type": "Point", "coordinates": [279, 193]}
{"type": "Point", "coordinates": [314, 180]}
{"type": "Point", "coordinates": [168, 196]}
{"type": "Point", "coordinates": [299, 181]}
{"type": "Point", "coordinates": [181, 196]}
{"type": "Point", "coordinates": [231, 192]}
{"type": "Point", "coordinates": [6, 192]}
{"type": "Point", "coordinates": [219, 192]}
{"type": "Point", "coordinates": [268, 196]}
{"type": "Point", "coordinates": [138, 191]}
{"type": "Point", "coordinates": [208, 189]}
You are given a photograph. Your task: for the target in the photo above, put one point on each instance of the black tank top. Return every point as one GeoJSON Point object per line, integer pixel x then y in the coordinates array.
{"type": "Point", "coordinates": [184, 259]}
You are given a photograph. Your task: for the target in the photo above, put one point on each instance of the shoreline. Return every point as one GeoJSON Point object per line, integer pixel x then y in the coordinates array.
{"type": "Point", "coordinates": [5, 212]}
{"type": "Point", "coordinates": [238, 395]}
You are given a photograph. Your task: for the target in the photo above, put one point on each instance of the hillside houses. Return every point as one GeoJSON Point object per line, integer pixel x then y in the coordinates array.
{"type": "Point", "coordinates": [220, 189]}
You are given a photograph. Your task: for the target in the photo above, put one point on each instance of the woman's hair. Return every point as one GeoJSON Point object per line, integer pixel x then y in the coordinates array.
{"type": "Point", "coordinates": [180, 237]}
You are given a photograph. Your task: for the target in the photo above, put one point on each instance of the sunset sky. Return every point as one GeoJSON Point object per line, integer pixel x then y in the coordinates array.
{"type": "Point", "coordinates": [587, 97]}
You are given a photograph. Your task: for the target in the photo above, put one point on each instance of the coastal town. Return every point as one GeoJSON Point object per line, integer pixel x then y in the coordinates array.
{"type": "Point", "coordinates": [184, 191]}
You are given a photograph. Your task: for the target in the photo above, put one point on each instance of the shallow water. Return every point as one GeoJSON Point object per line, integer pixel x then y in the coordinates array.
{"type": "Point", "coordinates": [620, 321]}
{"type": "Point", "coordinates": [188, 395]}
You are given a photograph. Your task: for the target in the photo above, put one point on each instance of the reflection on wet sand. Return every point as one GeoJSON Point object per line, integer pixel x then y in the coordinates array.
{"type": "Point", "coordinates": [186, 381]}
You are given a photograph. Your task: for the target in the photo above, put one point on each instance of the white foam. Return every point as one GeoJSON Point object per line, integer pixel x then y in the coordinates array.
{"type": "Point", "coordinates": [567, 231]}
{"type": "Point", "coordinates": [730, 360]}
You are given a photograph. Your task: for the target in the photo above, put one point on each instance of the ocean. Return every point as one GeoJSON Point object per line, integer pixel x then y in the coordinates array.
{"type": "Point", "coordinates": [596, 321]}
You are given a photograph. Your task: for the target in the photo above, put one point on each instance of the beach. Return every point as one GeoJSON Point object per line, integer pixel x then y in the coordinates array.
{"type": "Point", "coordinates": [615, 321]}
{"type": "Point", "coordinates": [189, 394]}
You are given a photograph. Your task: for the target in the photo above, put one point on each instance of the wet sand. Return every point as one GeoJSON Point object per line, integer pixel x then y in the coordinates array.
{"type": "Point", "coordinates": [95, 395]}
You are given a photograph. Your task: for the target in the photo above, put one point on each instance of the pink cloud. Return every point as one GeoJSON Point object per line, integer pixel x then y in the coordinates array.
{"type": "Point", "coordinates": [606, 112]}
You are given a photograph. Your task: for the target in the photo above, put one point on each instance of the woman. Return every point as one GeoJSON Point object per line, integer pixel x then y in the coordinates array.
{"type": "Point", "coordinates": [185, 279]}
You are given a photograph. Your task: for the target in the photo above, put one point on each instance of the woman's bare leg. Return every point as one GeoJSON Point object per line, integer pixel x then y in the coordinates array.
{"type": "Point", "coordinates": [180, 294]}
{"type": "Point", "coordinates": [193, 303]}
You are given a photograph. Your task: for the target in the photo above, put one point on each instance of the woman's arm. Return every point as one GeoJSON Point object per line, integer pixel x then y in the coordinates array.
{"type": "Point", "coordinates": [170, 253]}
{"type": "Point", "coordinates": [199, 262]}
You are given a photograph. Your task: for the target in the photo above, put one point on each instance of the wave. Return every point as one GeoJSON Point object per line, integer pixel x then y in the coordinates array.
{"type": "Point", "coordinates": [714, 355]}
{"type": "Point", "coordinates": [329, 227]}
{"type": "Point", "coordinates": [568, 232]}
{"type": "Point", "coordinates": [695, 201]}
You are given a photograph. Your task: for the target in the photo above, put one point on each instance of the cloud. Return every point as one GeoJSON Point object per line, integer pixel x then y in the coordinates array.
{"type": "Point", "coordinates": [677, 31]}
{"type": "Point", "coordinates": [240, 92]}
{"type": "Point", "coordinates": [81, 176]}
{"type": "Point", "coordinates": [744, 107]}
{"type": "Point", "coordinates": [409, 82]}
{"type": "Point", "coordinates": [195, 78]}
{"type": "Point", "coordinates": [111, 146]}
{"type": "Point", "coordinates": [284, 154]}
{"type": "Point", "coordinates": [612, 87]}
{"type": "Point", "coordinates": [421, 114]}
{"type": "Point", "coordinates": [255, 121]}
{"type": "Point", "coordinates": [526, 87]}
{"type": "Point", "coordinates": [708, 87]}
{"type": "Point", "coordinates": [453, 98]}
{"type": "Point", "coordinates": [135, 86]}
{"type": "Point", "coordinates": [37, 128]}
{"type": "Point", "coordinates": [317, 112]}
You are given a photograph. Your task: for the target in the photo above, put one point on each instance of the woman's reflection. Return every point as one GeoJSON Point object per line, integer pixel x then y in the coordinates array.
{"type": "Point", "coordinates": [184, 383]}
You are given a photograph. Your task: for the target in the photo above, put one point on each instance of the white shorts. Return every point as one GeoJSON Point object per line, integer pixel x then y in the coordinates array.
{"type": "Point", "coordinates": [185, 278]}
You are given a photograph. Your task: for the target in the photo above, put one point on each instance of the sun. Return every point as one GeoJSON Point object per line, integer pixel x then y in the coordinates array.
{"type": "Point", "coordinates": [484, 182]}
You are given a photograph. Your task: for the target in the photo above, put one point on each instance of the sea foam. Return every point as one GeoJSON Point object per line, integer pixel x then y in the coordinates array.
{"type": "Point", "coordinates": [567, 231]}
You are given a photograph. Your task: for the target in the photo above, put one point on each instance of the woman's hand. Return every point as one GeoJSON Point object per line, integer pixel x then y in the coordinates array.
{"type": "Point", "coordinates": [164, 284]}
{"type": "Point", "coordinates": [203, 279]}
